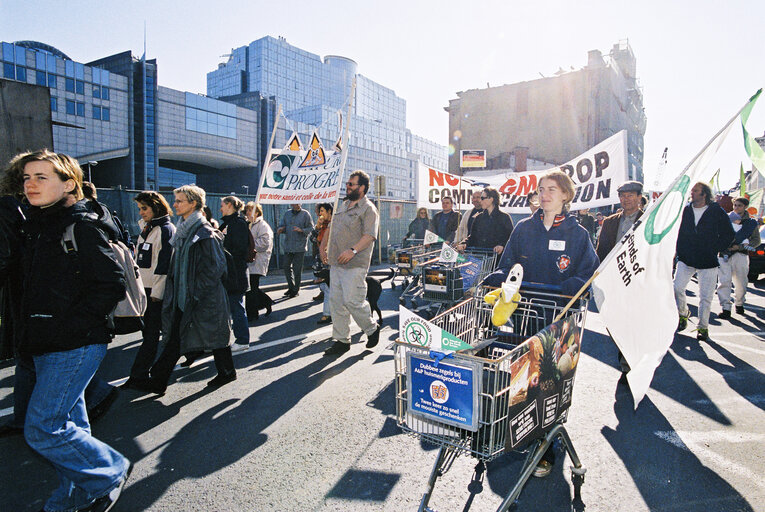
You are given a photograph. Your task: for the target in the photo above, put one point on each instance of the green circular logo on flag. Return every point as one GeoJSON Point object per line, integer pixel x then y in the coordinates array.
{"type": "Point", "coordinates": [665, 214]}
{"type": "Point", "coordinates": [416, 333]}
{"type": "Point", "coordinates": [448, 254]}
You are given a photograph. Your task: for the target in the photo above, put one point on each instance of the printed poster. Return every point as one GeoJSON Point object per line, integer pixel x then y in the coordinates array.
{"type": "Point", "coordinates": [542, 371]}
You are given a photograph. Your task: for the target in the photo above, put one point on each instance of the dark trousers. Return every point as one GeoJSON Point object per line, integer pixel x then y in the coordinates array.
{"type": "Point", "coordinates": [147, 352]}
{"type": "Point", "coordinates": [256, 298]}
{"type": "Point", "coordinates": [162, 369]}
{"type": "Point", "coordinates": [293, 270]}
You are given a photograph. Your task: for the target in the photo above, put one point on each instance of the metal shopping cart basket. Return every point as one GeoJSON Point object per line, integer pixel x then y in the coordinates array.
{"type": "Point", "coordinates": [445, 283]}
{"type": "Point", "coordinates": [413, 260]}
{"type": "Point", "coordinates": [511, 391]}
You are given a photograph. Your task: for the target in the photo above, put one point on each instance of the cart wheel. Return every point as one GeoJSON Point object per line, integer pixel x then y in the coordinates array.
{"type": "Point", "coordinates": [577, 478]}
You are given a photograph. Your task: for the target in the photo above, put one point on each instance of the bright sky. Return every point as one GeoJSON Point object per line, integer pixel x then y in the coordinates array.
{"type": "Point", "coordinates": [698, 61]}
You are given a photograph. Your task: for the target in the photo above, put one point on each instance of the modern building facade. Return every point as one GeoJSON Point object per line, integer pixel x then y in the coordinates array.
{"type": "Point", "coordinates": [311, 90]}
{"type": "Point", "coordinates": [553, 119]}
{"type": "Point", "coordinates": [126, 130]}
{"type": "Point", "coordinates": [89, 106]}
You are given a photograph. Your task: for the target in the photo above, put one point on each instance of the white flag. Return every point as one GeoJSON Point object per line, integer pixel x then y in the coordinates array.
{"type": "Point", "coordinates": [432, 238]}
{"type": "Point", "coordinates": [448, 254]}
{"type": "Point", "coordinates": [633, 287]}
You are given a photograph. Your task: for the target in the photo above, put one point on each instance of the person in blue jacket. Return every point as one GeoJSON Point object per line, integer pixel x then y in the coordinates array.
{"type": "Point", "coordinates": [553, 248]}
{"type": "Point", "coordinates": [550, 245]}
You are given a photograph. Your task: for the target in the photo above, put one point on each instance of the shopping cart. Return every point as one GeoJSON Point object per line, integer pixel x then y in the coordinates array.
{"type": "Point", "coordinates": [412, 260]}
{"type": "Point", "coordinates": [400, 256]}
{"type": "Point", "coordinates": [500, 395]}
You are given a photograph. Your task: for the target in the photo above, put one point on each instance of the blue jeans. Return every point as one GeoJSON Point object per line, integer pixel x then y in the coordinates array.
{"type": "Point", "coordinates": [239, 318]}
{"type": "Point", "coordinates": [325, 307]}
{"type": "Point", "coordinates": [24, 383]}
{"type": "Point", "coordinates": [57, 428]}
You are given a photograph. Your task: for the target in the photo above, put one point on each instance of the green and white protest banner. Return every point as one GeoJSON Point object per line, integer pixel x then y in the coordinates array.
{"type": "Point", "coordinates": [633, 285]}
{"type": "Point", "coordinates": [755, 152]}
{"type": "Point", "coordinates": [415, 330]}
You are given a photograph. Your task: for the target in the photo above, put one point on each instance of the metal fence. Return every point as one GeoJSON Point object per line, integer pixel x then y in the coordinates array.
{"type": "Point", "coordinates": [395, 217]}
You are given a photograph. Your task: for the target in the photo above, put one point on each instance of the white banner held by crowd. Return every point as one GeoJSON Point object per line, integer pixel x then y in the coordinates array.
{"type": "Point", "coordinates": [633, 286]}
{"type": "Point", "coordinates": [299, 175]}
{"type": "Point", "coordinates": [597, 174]}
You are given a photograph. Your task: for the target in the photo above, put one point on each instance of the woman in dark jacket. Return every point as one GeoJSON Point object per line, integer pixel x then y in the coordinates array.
{"type": "Point", "coordinates": [237, 242]}
{"type": "Point", "coordinates": [66, 299]}
{"type": "Point", "coordinates": [418, 226]}
{"type": "Point", "coordinates": [195, 311]}
{"type": "Point", "coordinates": [553, 249]}
{"type": "Point", "coordinates": [153, 253]}
{"type": "Point", "coordinates": [492, 228]}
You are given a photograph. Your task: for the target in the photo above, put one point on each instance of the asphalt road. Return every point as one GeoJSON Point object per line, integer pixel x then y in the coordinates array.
{"type": "Point", "coordinates": [298, 431]}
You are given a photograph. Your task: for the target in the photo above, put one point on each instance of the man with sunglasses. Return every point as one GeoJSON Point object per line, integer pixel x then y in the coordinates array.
{"type": "Point", "coordinates": [351, 239]}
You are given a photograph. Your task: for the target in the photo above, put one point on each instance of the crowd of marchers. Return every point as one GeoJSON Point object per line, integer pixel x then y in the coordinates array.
{"type": "Point", "coordinates": [62, 279]}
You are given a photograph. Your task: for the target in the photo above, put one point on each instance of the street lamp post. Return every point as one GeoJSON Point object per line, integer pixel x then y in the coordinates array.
{"type": "Point", "coordinates": [90, 164]}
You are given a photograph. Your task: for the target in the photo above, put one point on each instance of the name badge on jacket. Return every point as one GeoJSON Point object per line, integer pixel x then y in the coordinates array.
{"type": "Point", "coordinates": [557, 245]}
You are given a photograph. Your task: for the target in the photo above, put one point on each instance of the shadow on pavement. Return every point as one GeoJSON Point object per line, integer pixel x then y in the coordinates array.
{"type": "Point", "coordinates": [743, 378]}
{"type": "Point", "coordinates": [665, 472]}
{"type": "Point", "coordinates": [672, 380]}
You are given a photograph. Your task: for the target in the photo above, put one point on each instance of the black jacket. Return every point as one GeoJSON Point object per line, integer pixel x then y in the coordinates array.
{"type": "Point", "coordinates": [698, 245]}
{"type": "Point", "coordinates": [11, 217]}
{"type": "Point", "coordinates": [66, 298]}
{"type": "Point", "coordinates": [237, 242]}
{"type": "Point", "coordinates": [451, 225]}
{"type": "Point", "coordinates": [489, 231]}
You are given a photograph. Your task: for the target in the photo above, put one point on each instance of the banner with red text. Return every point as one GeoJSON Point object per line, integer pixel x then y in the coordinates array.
{"type": "Point", "coordinates": [597, 174]}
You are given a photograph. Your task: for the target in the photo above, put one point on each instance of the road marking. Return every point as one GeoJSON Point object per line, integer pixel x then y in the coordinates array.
{"type": "Point", "coordinates": [740, 347]}
{"type": "Point", "coordinates": [738, 400]}
{"type": "Point", "coordinates": [318, 333]}
{"type": "Point", "coordinates": [698, 443]}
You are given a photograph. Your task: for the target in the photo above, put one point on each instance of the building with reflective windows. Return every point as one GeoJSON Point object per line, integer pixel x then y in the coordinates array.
{"type": "Point", "coordinates": [89, 106]}
{"type": "Point", "coordinates": [311, 90]}
{"type": "Point", "coordinates": [127, 131]}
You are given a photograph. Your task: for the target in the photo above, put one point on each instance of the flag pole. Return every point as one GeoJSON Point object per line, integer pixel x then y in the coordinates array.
{"type": "Point", "coordinates": [346, 141]}
{"type": "Point", "coordinates": [611, 254]}
{"type": "Point", "coordinates": [268, 153]}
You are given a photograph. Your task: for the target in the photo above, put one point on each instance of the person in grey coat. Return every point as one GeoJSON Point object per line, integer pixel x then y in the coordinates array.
{"type": "Point", "coordinates": [296, 225]}
{"type": "Point", "coordinates": [195, 311]}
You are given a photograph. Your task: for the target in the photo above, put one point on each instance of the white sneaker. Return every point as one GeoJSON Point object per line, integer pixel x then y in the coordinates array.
{"type": "Point", "coordinates": [238, 347]}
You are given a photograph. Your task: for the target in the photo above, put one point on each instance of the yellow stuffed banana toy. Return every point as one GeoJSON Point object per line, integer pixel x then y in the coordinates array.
{"type": "Point", "coordinates": [505, 298]}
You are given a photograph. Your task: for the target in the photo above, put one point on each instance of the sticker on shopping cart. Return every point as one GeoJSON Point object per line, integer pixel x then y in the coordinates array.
{"type": "Point", "coordinates": [550, 412]}
{"type": "Point", "coordinates": [415, 330]}
{"type": "Point", "coordinates": [524, 423]}
{"type": "Point", "coordinates": [446, 393]}
{"type": "Point", "coordinates": [568, 385]}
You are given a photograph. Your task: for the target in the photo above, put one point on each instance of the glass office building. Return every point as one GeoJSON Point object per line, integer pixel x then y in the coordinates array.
{"type": "Point", "coordinates": [127, 131]}
{"type": "Point", "coordinates": [89, 105]}
{"type": "Point", "coordinates": [311, 90]}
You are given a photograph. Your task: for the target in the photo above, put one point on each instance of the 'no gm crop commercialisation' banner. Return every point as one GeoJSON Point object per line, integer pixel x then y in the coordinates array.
{"type": "Point", "coordinates": [596, 173]}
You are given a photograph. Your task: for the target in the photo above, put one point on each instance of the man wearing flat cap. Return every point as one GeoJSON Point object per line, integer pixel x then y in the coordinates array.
{"type": "Point", "coordinates": [616, 225]}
